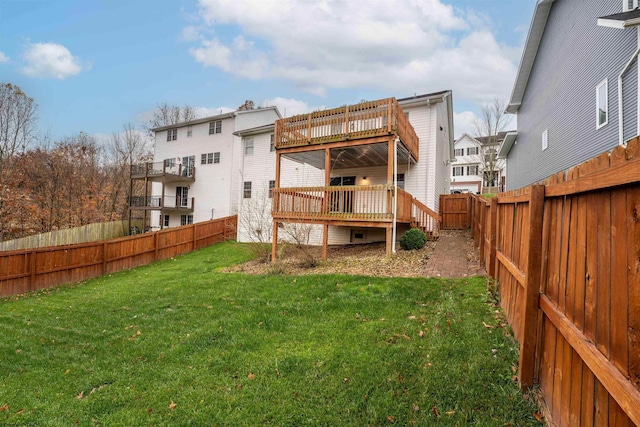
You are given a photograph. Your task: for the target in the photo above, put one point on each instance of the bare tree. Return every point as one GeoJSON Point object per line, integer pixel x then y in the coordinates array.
{"type": "Point", "coordinates": [493, 120]}
{"type": "Point", "coordinates": [17, 131]}
{"type": "Point", "coordinates": [166, 115]}
{"type": "Point", "coordinates": [125, 148]}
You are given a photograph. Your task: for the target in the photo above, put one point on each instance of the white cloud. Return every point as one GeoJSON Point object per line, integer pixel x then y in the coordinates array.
{"type": "Point", "coordinates": [3, 58]}
{"type": "Point", "coordinates": [404, 46]}
{"type": "Point", "coordinates": [290, 107]}
{"type": "Point", "coordinates": [464, 123]}
{"type": "Point", "coordinates": [51, 60]}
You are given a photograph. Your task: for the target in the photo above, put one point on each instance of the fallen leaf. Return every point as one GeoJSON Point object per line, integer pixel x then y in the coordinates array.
{"type": "Point", "coordinates": [80, 395]}
{"type": "Point", "coordinates": [412, 317]}
{"type": "Point", "coordinates": [4, 408]}
{"type": "Point", "coordinates": [421, 334]}
{"type": "Point", "coordinates": [487, 326]}
{"type": "Point", "coordinates": [450, 412]}
{"type": "Point", "coordinates": [345, 380]}
{"type": "Point", "coordinates": [435, 411]}
{"type": "Point", "coordinates": [172, 406]}
{"type": "Point", "coordinates": [538, 416]}
{"type": "Point", "coordinates": [391, 419]}
{"type": "Point", "coordinates": [415, 407]}
{"type": "Point", "coordinates": [67, 371]}
{"type": "Point", "coordinates": [19, 411]}
{"type": "Point", "coordinates": [150, 410]}
{"type": "Point", "coordinates": [251, 376]}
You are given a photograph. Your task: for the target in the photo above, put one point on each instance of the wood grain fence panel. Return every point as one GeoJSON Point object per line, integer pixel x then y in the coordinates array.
{"type": "Point", "coordinates": [633, 283]}
{"type": "Point", "coordinates": [29, 270]}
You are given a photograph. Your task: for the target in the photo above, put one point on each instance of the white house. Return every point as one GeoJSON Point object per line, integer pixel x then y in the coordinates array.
{"type": "Point", "coordinates": [196, 174]}
{"type": "Point", "coordinates": [477, 168]}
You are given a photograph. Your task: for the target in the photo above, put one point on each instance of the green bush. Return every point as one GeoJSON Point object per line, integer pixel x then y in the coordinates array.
{"type": "Point", "coordinates": [413, 239]}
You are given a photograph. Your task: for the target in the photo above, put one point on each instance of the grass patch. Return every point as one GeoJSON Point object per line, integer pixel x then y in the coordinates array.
{"type": "Point", "coordinates": [179, 343]}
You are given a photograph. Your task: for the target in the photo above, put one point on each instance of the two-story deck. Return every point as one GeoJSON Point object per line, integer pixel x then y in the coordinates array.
{"type": "Point", "coordinates": [365, 136]}
{"type": "Point", "coordinates": [166, 172]}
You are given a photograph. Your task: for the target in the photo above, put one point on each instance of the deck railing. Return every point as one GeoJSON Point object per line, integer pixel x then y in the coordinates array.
{"type": "Point", "coordinates": [368, 203]}
{"type": "Point", "coordinates": [158, 169]}
{"type": "Point", "coordinates": [364, 120]}
{"type": "Point", "coordinates": [158, 202]}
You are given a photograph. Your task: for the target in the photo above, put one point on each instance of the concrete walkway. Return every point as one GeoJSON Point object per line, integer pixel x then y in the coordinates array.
{"type": "Point", "coordinates": [454, 256]}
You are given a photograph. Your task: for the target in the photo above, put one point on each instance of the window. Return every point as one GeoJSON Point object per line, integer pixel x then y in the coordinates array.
{"type": "Point", "coordinates": [458, 170]}
{"type": "Point", "coordinates": [172, 134]}
{"type": "Point", "coordinates": [545, 139]}
{"type": "Point", "coordinates": [189, 131]}
{"type": "Point", "coordinates": [628, 5]}
{"type": "Point", "coordinates": [602, 104]}
{"type": "Point", "coordinates": [215, 127]}
{"type": "Point", "coordinates": [208, 158]}
{"type": "Point", "coordinates": [490, 155]}
{"type": "Point", "coordinates": [170, 163]}
{"type": "Point", "coordinates": [216, 157]}
{"type": "Point", "coordinates": [166, 220]}
{"type": "Point", "coordinates": [400, 179]}
{"type": "Point", "coordinates": [458, 152]}
{"type": "Point", "coordinates": [472, 151]}
{"type": "Point", "coordinates": [186, 219]}
{"type": "Point", "coordinates": [272, 185]}
{"type": "Point", "coordinates": [247, 190]}
{"type": "Point", "coordinates": [273, 145]}
{"type": "Point", "coordinates": [188, 165]}
{"type": "Point", "coordinates": [248, 146]}
{"type": "Point", "coordinates": [182, 197]}
{"type": "Point", "coordinates": [472, 170]}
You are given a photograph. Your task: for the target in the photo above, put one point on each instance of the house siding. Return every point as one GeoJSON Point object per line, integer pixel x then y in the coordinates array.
{"type": "Point", "coordinates": [575, 54]}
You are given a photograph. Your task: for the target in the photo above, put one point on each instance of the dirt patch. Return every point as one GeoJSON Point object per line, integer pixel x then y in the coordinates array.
{"type": "Point", "coordinates": [369, 260]}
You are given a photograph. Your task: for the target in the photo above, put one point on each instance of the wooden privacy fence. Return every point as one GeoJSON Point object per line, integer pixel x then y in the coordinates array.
{"type": "Point", "coordinates": [33, 269]}
{"type": "Point", "coordinates": [455, 210]}
{"type": "Point", "coordinates": [69, 236]}
{"type": "Point", "coordinates": [566, 257]}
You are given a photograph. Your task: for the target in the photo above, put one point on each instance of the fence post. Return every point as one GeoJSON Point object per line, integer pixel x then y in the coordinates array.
{"type": "Point", "coordinates": [533, 243]}
{"type": "Point", "coordinates": [104, 258]}
{"type": "Point", "coordinates": [155, 245]}
{"type": "Point", "coordinates": [32, 278]}
{"type": "Point", "coordinates": [493, 231]}
{"type": "Point", "coordinates": [193, 230]}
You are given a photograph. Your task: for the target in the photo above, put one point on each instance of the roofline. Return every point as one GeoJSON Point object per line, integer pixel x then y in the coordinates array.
{"type": "Point", "coordinates": [424, 97]}
{"type": "Point", "coordinates": [217, 117]}
{"type": "Point", "coordinates": [507, 143]}
{"type": "Point", "coordinates": [538, 24]}
{"type": "Point", "coordinates": [467, 135]}
{"type": "Point", "coordinates": [196, 121]}
{"type": "Point", "coordinates": [255, 130]}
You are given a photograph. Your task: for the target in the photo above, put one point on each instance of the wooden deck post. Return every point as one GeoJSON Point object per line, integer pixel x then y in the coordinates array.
{"type": "Point", "coordinates": [325, 240]}
{"type": "Point", "coordinates": [389, 240]}
{"type": "Point", "coordinates": [533, 241]}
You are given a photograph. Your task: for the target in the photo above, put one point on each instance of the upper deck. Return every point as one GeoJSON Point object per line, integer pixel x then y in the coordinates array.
{"type": "Point", "coordinates": [366, 120]}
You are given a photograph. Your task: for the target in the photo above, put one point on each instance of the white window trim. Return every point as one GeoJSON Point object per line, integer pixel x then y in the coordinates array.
{"type": "Point", "coordinates": [604, 83]}
{"type": "Point", "coordinates": [625, 5]}
{"type": "Point", "coordinates": [545, 139]}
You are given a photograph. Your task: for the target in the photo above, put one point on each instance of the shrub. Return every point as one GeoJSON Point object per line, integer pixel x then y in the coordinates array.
{"type": "Point", "coordinates": [413, 239]}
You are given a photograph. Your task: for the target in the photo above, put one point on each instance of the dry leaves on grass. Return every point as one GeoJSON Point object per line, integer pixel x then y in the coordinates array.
{"type": "Point", "coordinates": [367, 260]}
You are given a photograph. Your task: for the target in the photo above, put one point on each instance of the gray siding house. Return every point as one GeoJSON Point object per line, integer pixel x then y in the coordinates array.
{"type": "Point", "coordinates": [579, 62]}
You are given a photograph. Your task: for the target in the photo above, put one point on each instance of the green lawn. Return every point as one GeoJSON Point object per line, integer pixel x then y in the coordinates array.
{"type": "Point", "coordinates": [181, 343]}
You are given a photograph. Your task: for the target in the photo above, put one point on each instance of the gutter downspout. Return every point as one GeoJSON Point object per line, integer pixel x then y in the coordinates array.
{"type": "Point", "coordinates": [620, 109]}
{"type": "Point", "coordinates": [395, 194]}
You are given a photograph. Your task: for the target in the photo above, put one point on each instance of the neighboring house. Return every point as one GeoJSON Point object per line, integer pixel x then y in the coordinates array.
{"type": "Point", "coordinates": [576, 91]}
{"type": "Point", "coordinates": [196, 173]}
{"type": "Point", "coordinates": [477, 169]}
{"type": "Point", "coordinates": [379, 167]}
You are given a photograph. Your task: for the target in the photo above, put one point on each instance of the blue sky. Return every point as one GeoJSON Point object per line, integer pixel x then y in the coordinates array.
{"type": "Point", "coordinates": [93, 66]}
